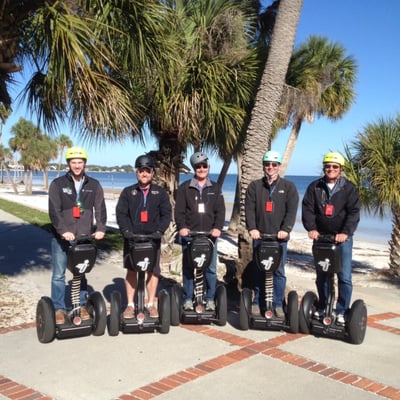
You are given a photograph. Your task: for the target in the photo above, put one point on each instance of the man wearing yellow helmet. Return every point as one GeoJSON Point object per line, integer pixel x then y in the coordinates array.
{"type": "Point", "coordinates": [331, 205]}
{"type": "Point", "coordinates": [75, 200]}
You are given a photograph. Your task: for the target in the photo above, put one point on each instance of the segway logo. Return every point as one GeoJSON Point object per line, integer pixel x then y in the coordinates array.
{"type": "Point", "coordinates": [82, 267]}
{"type": "Point", "coordinates": [268, 263]}
{"type": "Point", "coordinates": [325, 264]}
{"type": "Point", "coordinates": [143, 265]}
{"type": "Point", "coordinates": [200, 260]}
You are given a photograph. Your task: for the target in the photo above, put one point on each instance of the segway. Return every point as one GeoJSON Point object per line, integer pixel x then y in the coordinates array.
{"type": "Point", "coordinates": [81, 257]}
{"type": "Point", "coordinates": [268, 257]}
{"type": "Point", "coordinates": [200, 248]}
{"type": "Point", "coordinates": [327, 259]}
{"type": "Point", "coordinates": [143, 255]}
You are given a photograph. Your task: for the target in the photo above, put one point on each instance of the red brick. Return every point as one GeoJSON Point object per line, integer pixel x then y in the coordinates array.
{"type": "Point", "coordinates": [350, 379]}
{"type": "Point", "coordinates": [338, 375]}
{"type": "Point", "coordinates": [151, 389]}
{"type": "Point", "coordinates": [328, 371]}
{"type": "Point", "coordinates": [141, 394]}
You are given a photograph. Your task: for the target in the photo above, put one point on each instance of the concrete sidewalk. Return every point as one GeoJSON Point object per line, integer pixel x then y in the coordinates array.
{"type": "Point", "coordinates": [192, 362]}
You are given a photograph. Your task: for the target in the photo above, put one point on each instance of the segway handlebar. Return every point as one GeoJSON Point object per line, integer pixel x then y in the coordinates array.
{"type": "Point", "coordinates": [326, 238]}
{"type": "Point", "coordinates": [271, 237]}
{"type": "Point", "coordinates": [141, 237]}
{"type": "Point", "coordinates": [199, 233]}
{"type": "Point", "coordinates": [81, 239]}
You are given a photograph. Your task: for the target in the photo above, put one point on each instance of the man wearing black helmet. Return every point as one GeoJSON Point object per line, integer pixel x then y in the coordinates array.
{"type": "Point", "coordinates": [74, 199]}
{"type": "Point", "coordinates": [199, 206]}
{"type": "Point", "coordinates": [143, 208]}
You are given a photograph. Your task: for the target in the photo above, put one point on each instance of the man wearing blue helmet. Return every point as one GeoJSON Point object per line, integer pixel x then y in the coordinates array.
{"type": "Point", "coordinates": [271, 208]}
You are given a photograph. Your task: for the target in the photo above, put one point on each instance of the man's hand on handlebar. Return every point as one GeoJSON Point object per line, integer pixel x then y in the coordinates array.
{"type": "Point", "coordinates": [215, 232]}
{"type": "Point", "coordinates": [255, 234]}
{"type": "Point", "coordinates": [98, 235]}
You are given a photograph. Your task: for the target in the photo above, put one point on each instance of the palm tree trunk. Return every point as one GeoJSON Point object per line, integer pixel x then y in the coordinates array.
{"type": "Point", "coordinates": [266, 104]}
{"type": "Point", "coordinates": [3, 165]}
{"type": "Point", "coordinates": [224, 170]}
{"type": "Point", "coordinates": [394, 256]}
{"type": "Point", "coordinates": [290, 145]}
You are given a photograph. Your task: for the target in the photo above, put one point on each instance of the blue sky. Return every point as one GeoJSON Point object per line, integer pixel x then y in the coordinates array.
{"type": "Point", "coordinates": [367, 29]}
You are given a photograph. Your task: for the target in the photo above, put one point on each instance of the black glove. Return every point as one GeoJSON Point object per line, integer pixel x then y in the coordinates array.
{"type": "Point", "coordinates": [127, 234]}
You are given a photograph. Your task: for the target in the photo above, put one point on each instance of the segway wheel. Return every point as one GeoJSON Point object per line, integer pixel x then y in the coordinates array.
{"type": "Point", "coordinates": [115, 313]}
{"type": "Point", "coordinates": [164, 309]}
{"type": "Point", "coordinates": [97, 307]}
{"type": "Point", "coordinates": [176, 296]}
{"type": "Point", "coordinates": [293, 312]}
{"type": "Point", "coordinates": [357, 322]}
{"type": "Point", "coordinates": [245, 309]}
{"type": "Point", "coordinates": [305, 313]}
{"type": "Point", "coordinates": [45, 320]}
{"type": "Point", "coordinates": [221, 305]}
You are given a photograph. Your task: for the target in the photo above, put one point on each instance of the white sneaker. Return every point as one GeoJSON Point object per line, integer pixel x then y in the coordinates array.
{"type": "Point", "coordinates": [188, 305]}
{"type": "Point", "coordinates": [318, 314]}
{"type": "Point", "coordinates": [340, 319]}
{"type": "Point", "coordinates": [210, 305]}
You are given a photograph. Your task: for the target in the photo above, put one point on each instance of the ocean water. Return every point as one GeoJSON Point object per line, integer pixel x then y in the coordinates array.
{"type": "Point", "coordinates": [371, 228]}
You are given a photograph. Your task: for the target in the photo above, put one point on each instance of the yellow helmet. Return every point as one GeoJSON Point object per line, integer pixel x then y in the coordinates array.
{"type": "Point", "coordinates": [76, 152]}
{"type": "Point", "coordinates": [333, 157]}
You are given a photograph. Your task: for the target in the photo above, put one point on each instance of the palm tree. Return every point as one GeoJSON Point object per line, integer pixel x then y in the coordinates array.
{"type": "Point", "coordinates": [321, 82]}
{"type": "Point", "coordinates": [27, 139]}
{"type": "Point", "coordinates": [266, 104]}
{"type": "Point", "coordinates": [62, 141]}
{"type": "Point", "coordinates": [201, 99]}
{"type": "Point", "coordinates": [5, 154]}
{"type": "Point", "coordinates": [374, 167]}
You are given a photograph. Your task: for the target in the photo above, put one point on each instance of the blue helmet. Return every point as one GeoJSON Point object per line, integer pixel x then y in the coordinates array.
{"type": "Point", "coordinates": [273, 156]}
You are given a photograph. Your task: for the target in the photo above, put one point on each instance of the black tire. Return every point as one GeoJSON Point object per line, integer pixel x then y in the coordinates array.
{"type": "Point", "coordinates": [357, 322]}
{"type": "Point", "coordinates": [115, 313]}
{"type": "Point", "coordinates": [245, 309]}
{"type": "Point", "coordinates": [221, 305]}
{"type": "Point", "coordinates": [164, 309]}
{"type": "Point", "coordinates": [293, 311]}
{"type": "Point", "coordinates": [305, 312]}
{"type": "Point", "coordinates": [97, 307]}
{"type": "Point", "coordinates": [176, 297]}
{"type": "Point", "coordinates": [45, 320]}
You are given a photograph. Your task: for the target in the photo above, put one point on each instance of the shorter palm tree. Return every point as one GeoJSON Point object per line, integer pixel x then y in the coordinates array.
{"type": "Point", "coordinates": [375, 170]}
{"type": "Point", "coordinates": [62, 141]}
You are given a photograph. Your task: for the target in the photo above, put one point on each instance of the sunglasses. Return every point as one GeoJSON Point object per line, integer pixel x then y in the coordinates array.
{"type": "Point", "coordinates": [328, 166]}
{"type": "Point", "coordinates": [141, 170]}
{"type": "Point", "coordinates": [271, 164]}
{"type": "Point", "coordinates": [204, 166]}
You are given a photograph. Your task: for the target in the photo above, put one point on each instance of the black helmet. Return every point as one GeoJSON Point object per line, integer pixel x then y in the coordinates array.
{"type": "Point", "coordinates": [144, 162]}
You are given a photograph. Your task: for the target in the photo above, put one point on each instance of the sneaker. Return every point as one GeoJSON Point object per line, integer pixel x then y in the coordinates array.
{"type": "Point", "coordinates": [340, 319]}
{"type": "Point", "coordinates": [129, 312]}
{"type": "Point", "coordinates": [210, 305]}
{"type": "Point", "coordinates": [318, 314]}
{"type": "Point", "coordinates": [279, 312]}
{"type": "Point", "coordinates": [188, 305]}
{"type": "Point", "coordinates": [84, 313]}
{"type": "Point", "coordinates": [60, 317]}
{"type": "Point", "coordinates": [152, 311]}
{"type": "Point", "coordinates": [255, 309]}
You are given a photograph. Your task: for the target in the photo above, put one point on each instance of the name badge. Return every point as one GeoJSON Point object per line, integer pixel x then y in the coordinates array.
{"type": "Point", "coordinates": [201, 208]}
{"type": "Point", "coordinates": [144, 216]}
{"type": "Point", "coordinates": [269, 206]}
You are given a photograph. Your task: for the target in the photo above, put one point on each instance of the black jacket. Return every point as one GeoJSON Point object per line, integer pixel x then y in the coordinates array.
{"type": "Point", "coordinates": [187, 202]}
{"type": "Point", "coordinates": [131, 203]}
{"type": "Point", "coordinates": [285, 200]}
{"type": "Point", "coordinates": [346, 204]}
{"type": "Point", "coordinates": [63, 197]}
